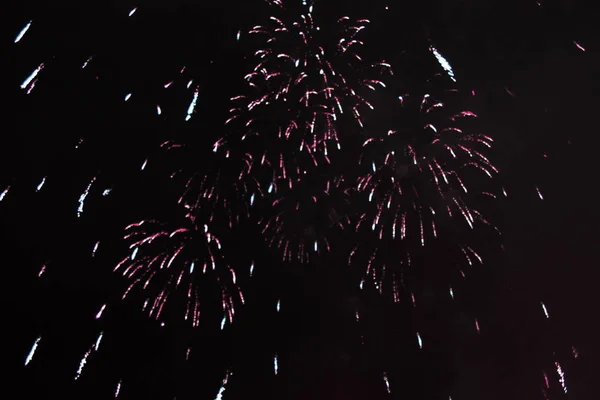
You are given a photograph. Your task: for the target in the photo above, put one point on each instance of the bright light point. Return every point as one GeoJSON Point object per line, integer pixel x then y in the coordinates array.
{"type": "Point", "coordinates": [144, 164]}
{"type": "Point", "coordinates": [443, 62]}
{"type": "Point", "coordinates": [106, 192]}
{"type": "Point", "coordinates": [316, 246]}
{"type": "Point", "coordinates": [41, 184]}
{"type": "Point", "coordinates": [251, 268]}
{"type": "Point", "coordinates": [99, 314]}
{"type": "Point", "coordinates": [128, 96]}
{"type": "Point", "coordinates": [275, 365]}
{"type": "Point", "coordinates": [239, 33]}
{"type": "Point", "coordinates": [32, 351]}
{"type": "Point", "coordinates": [3, 194]}
{"type": "Point", "coordinates": [420, 341]}
{"type": "Point", "coordinates": [580, 47]}
{"type": "Point", "coordinates": [252, 199]}
{"type": "Point", "coordinates": [223, 322]}
{"type": "Point", "coordinates": [134, 253]}
{"type": "Point", "coordinates": [158, 110]}
{"type": "Point", "coordinates": [545, 311]}
{"type": "Point", "coordinates": [132, 11]}
{"type": "Point", "coordinates": [22, 33]}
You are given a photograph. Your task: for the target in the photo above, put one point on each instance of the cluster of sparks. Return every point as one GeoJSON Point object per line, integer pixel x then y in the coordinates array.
{"type": "Point", "coordinates": [274, 162]}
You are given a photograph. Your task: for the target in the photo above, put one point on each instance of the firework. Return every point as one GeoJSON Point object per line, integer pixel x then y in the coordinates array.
{"type": "Point", "coordinates": [184, 262]}
{"type": "Point", "coordinates": [420, 182]}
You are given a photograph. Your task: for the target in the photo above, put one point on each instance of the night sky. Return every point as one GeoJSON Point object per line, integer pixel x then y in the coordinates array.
{"type": "Point", "coordinates": [528, 69]}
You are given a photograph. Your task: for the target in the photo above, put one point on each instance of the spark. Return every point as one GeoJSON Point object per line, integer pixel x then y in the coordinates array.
{"type": "Point", "coordinates": [278, 305]}
{"type": "Point", "coordinates": [128, 96]}
{"type": "Point", "coordinates": [545, 310]}
{"type": "Point", "coordinates": [158, 110]}
{"type": "Point", "coordinates": [118, 388]}
{"type": "Point", "coordinates": [83, 197]}
{"type": "Point", "coordinates": [41, 184]}
{"type": "Point", "coordinates": [32, 351]}
{"type": "Point", "coordinates": [419, 340]}
{"type": "Point", "coordinates": [223, 386]}
{"type": "Point", "coordinates": [275, 364]}
{"type": "Point", "coordinates": [23, 32]}
{"type": "Point", "coordinates": [85, 64]}
{"type": "Point", "coordinates": [144, 165]}
{"type": "Point", "coordinates": [28, 82]}
{"type": "Point", "coordinates": [580, 47]}
{"type": "Point", "coordinates": [99, 314]}
{"type": "Point", "coordinates": [106, 192]}
{"type": "Point", "coordinates": [451, 293]}
{"type": "Point", "coordinates": [537, 189]}
{"type": "Point", "coordinates": [561, 375]}
{"type": "Point", "coordinates": [4, 193]}
{"type": "Point", "coordinates": [83, 362]}
{"type": "Point", "coordinates": [443, 62]}
{"type": "Point", "coordinates": [42, 270]}
{"type": "Point", "coordinates": [238, 35]}
{"type": "Point", "coordinates": [251, 268]}
{"type": "Point", "coordinates": [223, 321]}
{"type": "Point", "coordinates": [98, 341]}
{"type": "Point", "coordinates": [95, 249]}
{"type": "Point", "coordinates": [132, 11]}
{"type": "Point", "coordinates": [192, 106]}
{"type": "Point", "coordinates": [387, 382]}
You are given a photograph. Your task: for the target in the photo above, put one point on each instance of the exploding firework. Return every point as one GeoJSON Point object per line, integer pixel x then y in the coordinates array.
{"type": "Point", "coordinates": [185, 263]}
{"type": "Point", "coordinates": [421, 182]}
{"type": "Point", "coordinates": [301, 85]}
{"type": "Point", "coordinates": [299, 217]}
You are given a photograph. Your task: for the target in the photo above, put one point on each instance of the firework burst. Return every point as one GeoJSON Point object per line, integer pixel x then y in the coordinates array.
{"type": "Point", "coordinates": [421, 181]}
{"type": "Point", "coordinates": [184, 263]}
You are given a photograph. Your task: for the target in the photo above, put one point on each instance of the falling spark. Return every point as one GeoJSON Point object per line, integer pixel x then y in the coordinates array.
{"type": "Point", "coordinates": [144, 164]}
{"type": "Point", "coordinates": [42, 270]}
{"type": "Point", "coordinates": [118, 389]}
{"type": "Point", "coordinates": [106, 192]}
{"type": "Point", "coordinates": [30, 78]}
{"type": "Point", "coordinates": [575, 352]}
{"type": "Point", "coordinates": [278, 305]}
{"type": "Point", "coordinates": [192, 106]}
{"type": "Point", "coordinates": [539, 193]}
{"type": "Point", "coordinates": [83, 196]}
{"type": "Point", "coordinates": [98, 341]}
{"type": "Point", "coordinates": [23, 32]}
{"type": "Point", "coordinates": [83, 362]}
{"type": "Point", "coordinates": [545, 311]}
{"type": "Point", "coordinates": [3, 194]}
{"type": "Point", "coordinates": [561, 374]}
{"type": "Point", "coordinates": [128, 96]}
{"type": "Point", "coordinates": [580, 47]}
{"type": "Point", "coordinates": [95, 249]}
{"type": "Point", "coordinates": [223, 386]}
{"type": "Point", "coordinates": [387, 382]}
{"type": "Point", "coordinates": [32, 351]}
{"type": "Point", "coordinates": [132, 11]}
{"type": "Point", "coordinates": [87, 62]}
{"type": "Point", "coordinates": [238, 35]}
{"type": "Point", "coordinates": [420, 341]}
{"type": "Point", "coordinates": [223, 322]}
{"type": "Point", "coordinates": [477, 326]}
{"type": "Point", "coordinates": [275, 364]}
{"type": "Point", "coordinates": [251, 268]}
{"type": "Point", "coordinates": [443, 62]}
{"type": "Point", "coordinates": [158, 110]}
{"type": "Point", "coordinates": [99, 314]}
{"type": "Point", "coordinates": [451, 293]}
{"type": "Point", "coordinates": [39, 187]}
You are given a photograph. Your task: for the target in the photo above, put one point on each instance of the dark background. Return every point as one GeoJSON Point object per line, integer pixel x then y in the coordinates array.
{"type": "Point", "coordinates": [546, 136]}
